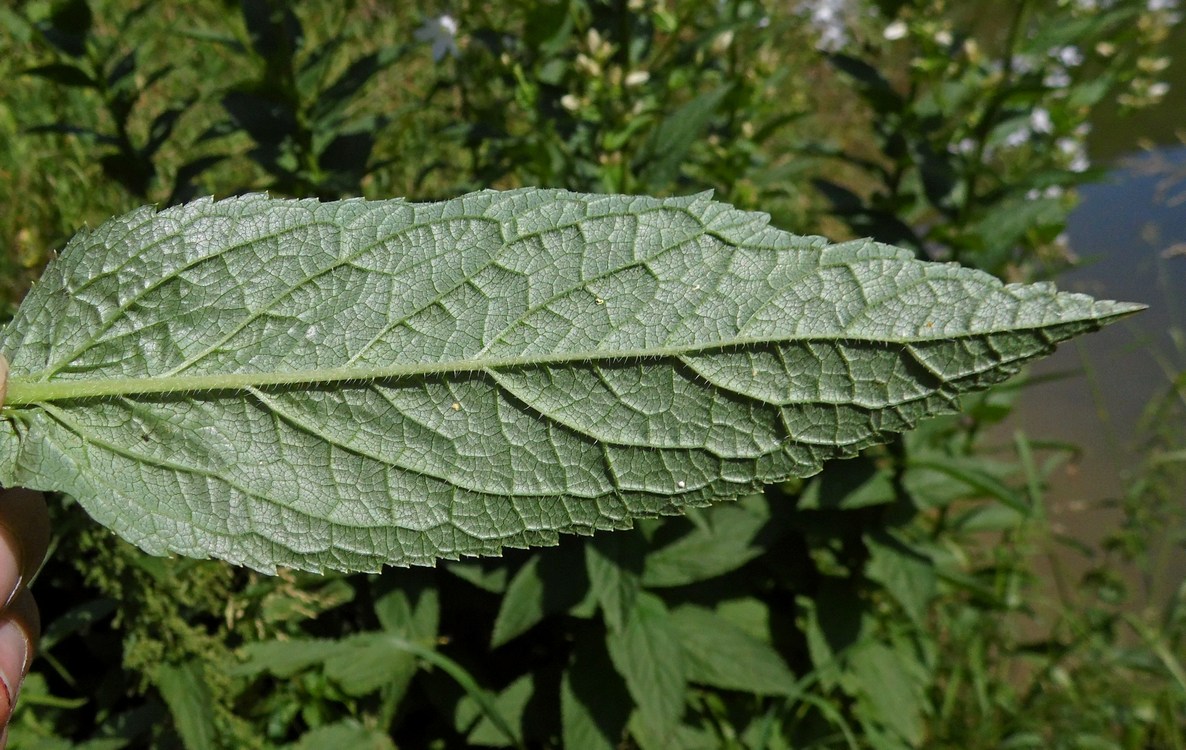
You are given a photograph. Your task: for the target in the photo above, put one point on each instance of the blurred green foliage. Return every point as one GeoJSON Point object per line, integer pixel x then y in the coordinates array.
{"type": "Point", "coordinates": [893, 601]}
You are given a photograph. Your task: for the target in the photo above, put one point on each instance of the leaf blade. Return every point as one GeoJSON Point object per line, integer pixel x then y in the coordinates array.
{"type": "Point", "coordinates": [352, 384]}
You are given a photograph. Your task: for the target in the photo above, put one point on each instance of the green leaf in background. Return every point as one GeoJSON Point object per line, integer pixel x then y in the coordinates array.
{"type": "Point", "coordinates": [549, 582]}
{"type": "Point", "coordinates": [890, 685]}
{"type": "Point", "coordinates": [351, 384]}
{"type": "Point", "coordinates": [720, 654]}
{"type": "Point", "coordinates": [648, 655]}
{"type": "Point", "coordinates": [284, 658]}
{"type": "Point", "coordinates": [614, 563]}
{"type": "Point", "coordinates": [346, 733]}
{"type": "Point", "coordinates": [860, 485]}
{"type": "Point", "coordinates": [411, 608]}
{"type": "Point", "coordinates": [512, 703]}
{"type": "Point", "coordinates": [190, 703]}
{"type": "Point", "coordinates": [727, 541]}
{"type": "Point", "coordinates": [834, 622]}
{"type": "Point", "coordinates": [906, 571]}
{"type": "Point", "coordinates": [594, 703]}
{"type": "Point", "coordinates": [359, 664]}
{"type": "Point", "coordinates": [477, 574]}
{"type": "Point", "coordinates": [671, 141]}
{"type": "Point", "coordinates": [364, 662]}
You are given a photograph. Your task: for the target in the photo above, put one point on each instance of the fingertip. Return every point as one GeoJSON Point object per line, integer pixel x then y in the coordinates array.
{"type": "Point", "coordinates": [18, 637]}
{"type": "Point", "coordinates": [24, 538]}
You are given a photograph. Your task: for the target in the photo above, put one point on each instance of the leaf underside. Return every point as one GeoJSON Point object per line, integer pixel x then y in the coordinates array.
{"type": "Point", "coordinates": [351, 384]}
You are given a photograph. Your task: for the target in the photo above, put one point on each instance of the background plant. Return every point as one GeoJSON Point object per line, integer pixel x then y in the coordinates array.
{"type": "Point", "coordinates": [880, 604]}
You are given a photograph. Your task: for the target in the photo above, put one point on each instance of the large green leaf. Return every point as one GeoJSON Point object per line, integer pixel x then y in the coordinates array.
{"type": "Point", "coordinates": [352, 384]}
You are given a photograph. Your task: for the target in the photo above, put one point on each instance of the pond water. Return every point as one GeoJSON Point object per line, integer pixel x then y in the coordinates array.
{"type": "Point", "coordinates": [1130, 233]}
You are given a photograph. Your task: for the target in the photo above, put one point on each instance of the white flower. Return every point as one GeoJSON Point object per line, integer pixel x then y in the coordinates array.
{"type": "Point", "coordinates": [1040, 121]}
{"type": "Point", "coordinates": [827, 16]}
{"type": "Point", "coordinates": [722, 42]}
{"type": "Point", "coordinates": [441, 32]}
{"type": "Point", "coordinates": [1077, 151]}
{"type": "Point", "coordinates": [964, 146]}
{"type": "Point", "coordinates": [636, 78]}
{"type": "Point", "coordinates": [1018, 137]}
{"type": "Point", "coordinates": [895, 30]}
{"type": "Point", "coordinates": [1156, 5]}
{"type": "Point", "coordinates": [1023, 64]}
{"type": "Point", "coordinates": [1052, 191]}
{"type": "Point", "coordinates": [1058, 78]}
{"type": "Point", "coordinates": [1070, 55]}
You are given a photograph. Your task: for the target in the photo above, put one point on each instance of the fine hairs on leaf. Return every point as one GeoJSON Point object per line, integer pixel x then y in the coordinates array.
{"type": "Point", "coordinates": [354, 384]}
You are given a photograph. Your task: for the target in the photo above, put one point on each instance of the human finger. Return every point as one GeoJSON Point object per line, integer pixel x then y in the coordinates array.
{"type": "Point", "coordinates": [19, 628]}
{"type": "Point", "coordinates": [24, 538]}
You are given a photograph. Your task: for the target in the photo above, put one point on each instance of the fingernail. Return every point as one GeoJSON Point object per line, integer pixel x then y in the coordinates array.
{"type": "Point", "coordinates": [5, 700]}
{"type": "Point", "coordinates": [16, 588]}
{"type": "Point", "coordinates": [10, 569]}
{"type": "Point", "coordinates": [14, 657]}
{"type": "Point", "coordinates": [10, 563]}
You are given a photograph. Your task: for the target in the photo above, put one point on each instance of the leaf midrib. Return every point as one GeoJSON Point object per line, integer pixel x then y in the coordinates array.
{"type": "Point", "coordinates": [26, 390]}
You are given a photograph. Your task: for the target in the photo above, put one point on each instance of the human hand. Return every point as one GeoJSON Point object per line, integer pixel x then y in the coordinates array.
{"type": "Point", "coordinates": [24, 537]}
